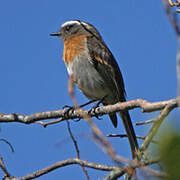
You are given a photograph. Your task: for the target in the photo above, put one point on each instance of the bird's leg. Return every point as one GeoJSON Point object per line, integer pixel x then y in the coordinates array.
{"type": "Point", "coordinates": [73, 107]}
{"type": "Point", "coordinates": [85, 104]}
{"type": "Point", "coordinates": [92, 110]}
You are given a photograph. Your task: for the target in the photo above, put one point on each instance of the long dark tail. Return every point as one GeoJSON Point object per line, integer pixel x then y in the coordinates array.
{"type": "Point", "coordinates": [130, 132]}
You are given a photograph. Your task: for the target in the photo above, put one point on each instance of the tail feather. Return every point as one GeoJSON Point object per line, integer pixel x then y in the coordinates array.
{"type": "Point", "coordinates": [130, 132]}
{"type": "Point", "coordinates": [113, 118]}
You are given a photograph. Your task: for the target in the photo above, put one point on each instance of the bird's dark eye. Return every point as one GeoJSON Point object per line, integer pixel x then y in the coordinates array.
{"type": "Point", "coordinates": [68, 27]}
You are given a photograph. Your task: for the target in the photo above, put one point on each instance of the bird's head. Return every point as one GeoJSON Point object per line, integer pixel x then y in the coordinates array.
{"type": "Point", "coordinates": [74, 28]}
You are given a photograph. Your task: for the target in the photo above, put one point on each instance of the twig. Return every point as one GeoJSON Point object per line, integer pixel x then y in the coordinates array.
{"type": "Point", "coordinates": [144, 122]}
{"type": "Point", "coordinates": [7, 142]}
{"type": "Point", "coordinates": [77, 149]}
{"type": "Point", "coordinates": [45, 124]}
{"type": "Point", "coordinates": [124, 135]}
{"type": "Point", "coordinates": [79, 113]}
{"type": "Point", "coordinates": [73, 139]}
{"type": "Point", "coordinates": [2, 165]}
{"type": "Point", "coordinates": [67, 163]}
{"type": "Point", "coordinates": [4, 169]}
{"type": "Point", "coordinates": [115, 174]}
{"type": "Point", "coordinates": [119, 172]}
{"type": "Point", "coordinates": [164, 113]}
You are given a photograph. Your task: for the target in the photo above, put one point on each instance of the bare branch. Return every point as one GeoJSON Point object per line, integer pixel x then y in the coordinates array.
{"type": "Point", "coordinates": [115, 174]}
{"type": "Point", "coordinates": [67, 163]}
{"type": "Point", "coordinates": [73, 139]}
{"type": "Point", "coordinates": [7, 142]}
{"type": "Point", "coordinates": [125, 136]}
{"type": "Point", "coordinates": [144, 122]}
{"type": "Point", "coordinates": [164, 113]}
{"type": "Point", "coordinates": [116, 171]}
{"type": "Point", "coordinates": [45, 124]}
{"type": "Point", "coordinates": [79, 113]}
{"type": "Point", "coordinates": [120, 172]}
{"type": "Point", "coordinates": [3, 167]}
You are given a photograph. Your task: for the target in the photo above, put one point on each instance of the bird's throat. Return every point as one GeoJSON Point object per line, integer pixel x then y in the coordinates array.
{"type": "Point", "coordinates": [73, 47]}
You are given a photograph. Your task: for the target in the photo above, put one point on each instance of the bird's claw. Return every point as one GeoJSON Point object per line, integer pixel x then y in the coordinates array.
{"type": "Point", "coordinates": [68, 109]}
{"type": "Point", "coordinates": [92, 110]}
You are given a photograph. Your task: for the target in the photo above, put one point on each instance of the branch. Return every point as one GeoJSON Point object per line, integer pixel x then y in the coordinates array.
{"type": "Point", "coordinates": [116, 171]}
{"type": "Point", "coordinates": [158, 120]}
{"type": "Point", "coordinates": [3, 167]}
{"type": "Point", "coordinates": [67, 163]}
{"type": "Point", "coordinates": [144, 122]}
{"type": "Point", "coordinates": [65, 114]}
{"type": "Point", "coordinates": [8, 143]}
{"type": "Point", "coordinates": [125, 136]}
{"type": "Point", "coordinates": [120, 172]}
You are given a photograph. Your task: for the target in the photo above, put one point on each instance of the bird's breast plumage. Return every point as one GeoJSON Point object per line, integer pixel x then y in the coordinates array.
{"type": "Point", "coordinates": [79, 63]}
{"type": "Point", "coordinates": [72, 47]}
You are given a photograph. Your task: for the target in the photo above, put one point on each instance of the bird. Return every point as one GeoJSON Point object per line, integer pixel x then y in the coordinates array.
{"type": "Point", "coordinates": [94, 70]}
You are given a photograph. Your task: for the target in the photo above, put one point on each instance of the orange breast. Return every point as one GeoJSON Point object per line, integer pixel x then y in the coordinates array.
{"type": "Point", "coordinates": [72, 47]}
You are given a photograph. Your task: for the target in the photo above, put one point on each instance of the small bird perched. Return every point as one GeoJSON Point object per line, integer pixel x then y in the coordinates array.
{"type": "Point", "coordinates": [94, 69]}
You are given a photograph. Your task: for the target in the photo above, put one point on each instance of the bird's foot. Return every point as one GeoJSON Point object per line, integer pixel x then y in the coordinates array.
{"type": "Point", "coordinates": [92, 110]}
{"type": "Point", "coordinates": [72, 108]}
{"type": "Point", "coordinates": [68, 109]}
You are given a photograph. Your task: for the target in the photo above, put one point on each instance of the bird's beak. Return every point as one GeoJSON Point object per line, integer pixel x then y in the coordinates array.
{"type": "Point", "coordinates": [56, 34]}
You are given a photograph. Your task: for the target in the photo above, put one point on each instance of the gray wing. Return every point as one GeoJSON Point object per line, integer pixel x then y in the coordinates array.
{"type": "Point", "coordinates": [107, 67]}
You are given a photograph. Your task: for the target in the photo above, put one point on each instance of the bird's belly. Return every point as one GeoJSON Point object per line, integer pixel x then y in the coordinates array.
{"type": "Point", "coordinates": [88, 79]}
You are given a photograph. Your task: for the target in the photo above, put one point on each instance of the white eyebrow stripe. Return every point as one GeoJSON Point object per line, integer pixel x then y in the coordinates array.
{"type": "Point", "coordinates": [70, 23]}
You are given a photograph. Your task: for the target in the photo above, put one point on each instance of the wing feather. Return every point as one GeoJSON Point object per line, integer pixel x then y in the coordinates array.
{"type": "Point", "coordinates": [107, 67]}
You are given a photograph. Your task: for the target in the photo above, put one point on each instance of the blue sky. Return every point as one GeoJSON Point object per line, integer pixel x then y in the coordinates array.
{"type": "Point", "coordinates": [33, 76]}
